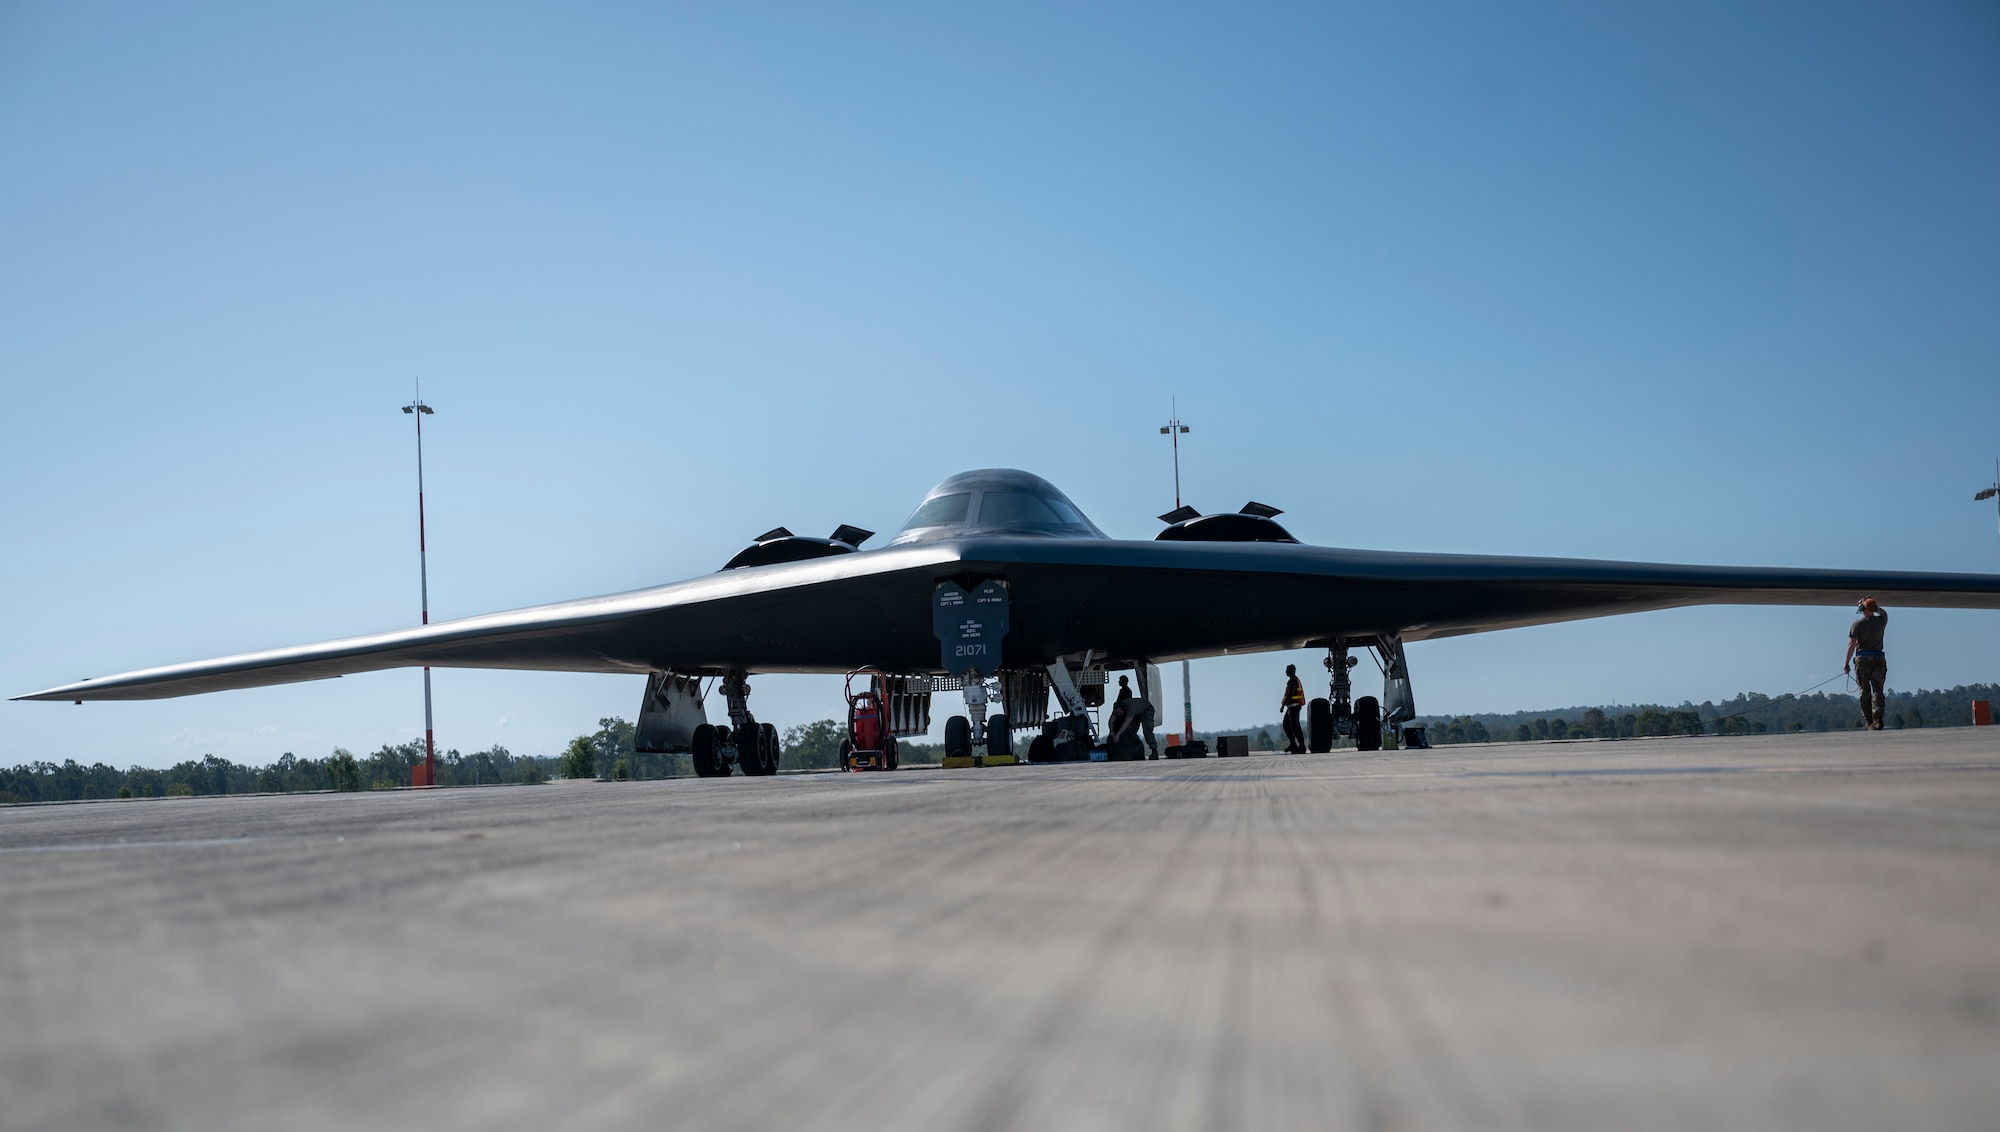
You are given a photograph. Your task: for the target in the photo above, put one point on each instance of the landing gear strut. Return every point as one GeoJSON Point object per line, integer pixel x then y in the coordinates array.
{"type": "Point", "coordinates": [749, 744]}
{"type": "Point", "coordinates": [1363, 719]}
{"type": "Point", "coordinates": [1068, 737]}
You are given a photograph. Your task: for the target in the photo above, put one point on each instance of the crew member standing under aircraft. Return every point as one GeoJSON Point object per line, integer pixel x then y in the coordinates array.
{"type": "Point", "coordinates": [1295, 698]}
{"type": "Point", "coordinates": [1866, 659]}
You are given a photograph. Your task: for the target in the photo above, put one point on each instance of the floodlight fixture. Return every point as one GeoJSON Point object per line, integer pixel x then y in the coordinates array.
{"type": "Point", "coordinates": [1992, 492]}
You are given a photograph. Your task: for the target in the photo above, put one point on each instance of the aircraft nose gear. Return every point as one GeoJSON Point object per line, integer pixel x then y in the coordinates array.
{"type": "Point", "coordinates": [973, 739]}
{"type": "Point", "coordinates": [1363, 719]}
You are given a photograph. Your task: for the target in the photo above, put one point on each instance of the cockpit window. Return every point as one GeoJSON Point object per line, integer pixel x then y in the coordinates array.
{"type": "Point", "coordinates": [1066, 513]}
{"type": "Point", "coordinates": [944, 511]}
{"type": "Point", "coordinates": [1020, 509]}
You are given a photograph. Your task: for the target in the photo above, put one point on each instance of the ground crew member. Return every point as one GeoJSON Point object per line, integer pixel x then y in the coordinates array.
{"type": "Point", "coordinates": [1130, 712]}
{"type": "Point", "coordinates": [1295, 698]}
{"type": "Point", "coordinates": [1124, 688]}
{"type": "Point", "coordinates": [1866, 659]}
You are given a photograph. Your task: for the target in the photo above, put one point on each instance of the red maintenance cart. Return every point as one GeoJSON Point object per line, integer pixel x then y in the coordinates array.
{"type": "Point", "coordinates": [870, 743]}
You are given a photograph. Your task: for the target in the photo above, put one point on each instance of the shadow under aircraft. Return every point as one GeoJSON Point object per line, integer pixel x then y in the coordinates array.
{"type": "Point", "coordinates": [999, 587]}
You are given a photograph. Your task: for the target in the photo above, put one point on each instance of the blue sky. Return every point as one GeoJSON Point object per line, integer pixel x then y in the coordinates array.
{"type": "Point", "coordinates": [1687, 282]}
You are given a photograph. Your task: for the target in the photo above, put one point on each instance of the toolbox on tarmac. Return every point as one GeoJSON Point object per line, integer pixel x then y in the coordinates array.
{"type": "Point", "coordinates": [1195, 750]}
{"type": "Point", "coordinates": [1232, 746]}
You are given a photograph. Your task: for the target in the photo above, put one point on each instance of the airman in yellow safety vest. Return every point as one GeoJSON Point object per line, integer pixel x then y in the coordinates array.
{"type": "Point", "coordinates": [1295, 698]}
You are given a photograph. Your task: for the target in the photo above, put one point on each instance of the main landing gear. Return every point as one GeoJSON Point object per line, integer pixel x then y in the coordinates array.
{"type": "Point", "coordinates": [744, 742]}
{"type": "Point", "coordinates": [1069, 736]}
{"type": "Point", "coordinates": [1363, 719]}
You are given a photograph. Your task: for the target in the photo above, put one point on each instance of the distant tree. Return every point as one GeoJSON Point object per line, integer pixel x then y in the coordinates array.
{"type": "Point", "coordinates": [1464, 729]}
{"type": "Point", "coordinates": [579, 759]}
{"type": "Point", "coordinates": [613, 741]}
{"type": "Point", "coordinates": [342, 771]}
{"type": "Point", "coordinates": [389, 767]}
{"type": "Point", "coordinates": [812, 746]}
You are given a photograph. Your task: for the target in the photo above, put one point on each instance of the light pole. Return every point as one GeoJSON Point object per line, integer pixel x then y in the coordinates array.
{"type": "Point", "coordinates": [419, 410]}
{"type": "Point", "coordinates": [1174, 428]}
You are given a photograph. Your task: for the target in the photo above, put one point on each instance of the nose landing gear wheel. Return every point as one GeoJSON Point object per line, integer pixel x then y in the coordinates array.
{"type": "Point", "coordinates": [958, 737]}
{"type": "Point", "coordinates": [999, 737]}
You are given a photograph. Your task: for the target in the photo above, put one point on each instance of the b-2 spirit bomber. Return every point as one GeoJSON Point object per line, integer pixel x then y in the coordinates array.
{"type": "Point", "coordinates": [998, 585]}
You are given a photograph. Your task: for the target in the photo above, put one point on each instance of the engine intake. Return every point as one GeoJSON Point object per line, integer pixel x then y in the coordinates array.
{"type": "Point", "coordinates": [780, 545]}
{"type": "Point", "coordinates": [1253, 523]}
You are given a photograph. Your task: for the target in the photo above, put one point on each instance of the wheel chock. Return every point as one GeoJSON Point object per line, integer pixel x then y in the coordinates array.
{"type": "Point", "coordinates": [960, 762]}
{"type": "Point", "coordinates": [1001, 760]}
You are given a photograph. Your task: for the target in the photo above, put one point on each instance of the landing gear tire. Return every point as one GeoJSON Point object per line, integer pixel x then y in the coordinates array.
{"type": "Point", "coordinates": [1319, 727]}
{"type": "Point", "coordinates": [1367, 724]}
{"type": "Point", "coordinates": [846, 754]}
{"type": "Point", "coordinates": [999, 737]}
{"type": "Point", "coordinates": [768, 743]}
{"type": "Point", "coordinates": [702, 750]}
{"type": "Point", "coordinates": [957, 737]}
{"type": "Point", "coordinates": [757, 749]}
{"type": "Point", "coordinates": [894, 756]}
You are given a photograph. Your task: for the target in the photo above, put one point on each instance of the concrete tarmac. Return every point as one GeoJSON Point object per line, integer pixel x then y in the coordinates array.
{"type": "Point", "coordinates": [1774, 932]}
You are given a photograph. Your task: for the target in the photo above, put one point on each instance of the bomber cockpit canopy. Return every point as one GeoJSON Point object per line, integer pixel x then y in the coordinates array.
{"type": "Point", "coordinates": [996, 501]}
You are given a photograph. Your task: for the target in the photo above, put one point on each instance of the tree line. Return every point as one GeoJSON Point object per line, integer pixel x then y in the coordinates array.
{"type": "Point", "coordinates": [607, 753]}
{"type": "Point", "coordinates": [342, 770]}
{"type": "Point", "coordinates": [1747, 713]}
